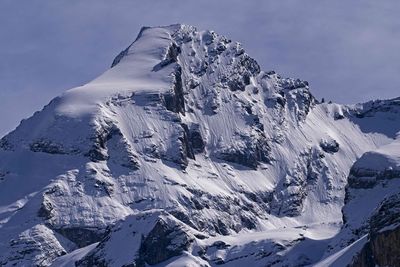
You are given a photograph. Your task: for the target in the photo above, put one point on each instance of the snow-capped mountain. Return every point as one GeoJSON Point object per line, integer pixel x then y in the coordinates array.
{"type": "Point", "coordinates": [185, 153]}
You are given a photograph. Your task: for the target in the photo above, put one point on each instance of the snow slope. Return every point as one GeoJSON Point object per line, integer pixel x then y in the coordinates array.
{"type": "Point", "coordinates": [344, 256]}
{"type": "Point", "coordinates": [189, 153]}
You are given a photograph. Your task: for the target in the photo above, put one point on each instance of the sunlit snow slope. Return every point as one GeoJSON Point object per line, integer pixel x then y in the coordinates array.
{"type": "Point", "coordinates": [185, 153]}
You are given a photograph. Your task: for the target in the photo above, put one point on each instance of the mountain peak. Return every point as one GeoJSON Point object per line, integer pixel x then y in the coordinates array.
{"type": "Point", "coordinates": [188, 152]}
{"type": "Point", "coordinates": [152, 60]}
{"type": "Point", "coordinates": [152, 35]}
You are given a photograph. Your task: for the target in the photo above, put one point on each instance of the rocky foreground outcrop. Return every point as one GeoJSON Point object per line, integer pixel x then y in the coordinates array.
{"type": "Point", "coordinates": [383, 246]}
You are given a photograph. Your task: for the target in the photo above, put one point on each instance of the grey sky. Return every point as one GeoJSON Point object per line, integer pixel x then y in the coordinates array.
{"type": "Point", "coordinates": [347, 50]}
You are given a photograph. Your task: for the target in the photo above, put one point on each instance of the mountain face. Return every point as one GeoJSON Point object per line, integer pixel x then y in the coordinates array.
{"type": "Point", "coordinates": [186, 153]}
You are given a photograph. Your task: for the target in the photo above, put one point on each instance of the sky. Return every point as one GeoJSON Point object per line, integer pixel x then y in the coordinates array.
{"type": "Point", "coordinates": [347, 50]}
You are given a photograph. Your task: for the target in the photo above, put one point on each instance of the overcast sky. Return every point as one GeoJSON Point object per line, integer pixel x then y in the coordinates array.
{"type": "Point", "coordinates": [349, 51]}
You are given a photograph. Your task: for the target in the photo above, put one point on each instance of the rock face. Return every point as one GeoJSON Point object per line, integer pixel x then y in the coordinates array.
{"type": "Point", "coordinates": [383, 247]}
{"type": "Point", "coordinates": [186, 153]}
{"type": "Point", "coordinates": [248, 151]}
{"type": "Point", "coordinates": [161, 236]}
{"type": "Point", "coordinates": [162, 243]}
{"type": "Point", "coordinates": [329, 146]}
{"type": "Point", "coordinates": [376, 166]}
{"type": "Point", "coordinates": [37, 246]}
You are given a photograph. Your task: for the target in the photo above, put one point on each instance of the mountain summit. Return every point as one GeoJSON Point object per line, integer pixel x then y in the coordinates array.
{"type": "Point", "coordinates": [186, 153]}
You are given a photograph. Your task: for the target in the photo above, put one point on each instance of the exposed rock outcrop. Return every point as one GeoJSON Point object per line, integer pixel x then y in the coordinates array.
{"type": "Point", "coordinates": [383, 246]}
